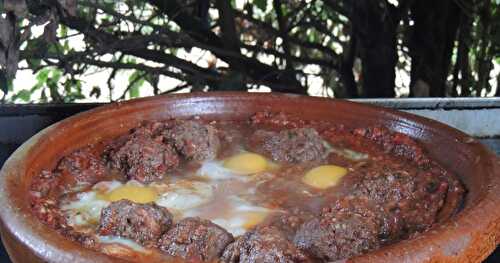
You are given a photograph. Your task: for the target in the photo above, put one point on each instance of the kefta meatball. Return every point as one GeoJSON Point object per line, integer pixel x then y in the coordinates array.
{"type": "Point", "coordinates": [195, 239]}
{"type": "Point", "coordinates": [415, 198]}
{"type": "Point", "coordinates": [143, 156]}
{"type": "Point", "coordinates": [144, 223]}
{"type": "Point", "coordinates": [194, 140]}
{"type": "Point", "coordinates": [348, 228]}
{"type": "Point", "coordinates": [288, 222]}
{"type": "Point", "coordinates": [82, 166]}
{"type": "Point", "coordinates": [263, 244]}
{"type": "Point", "coordinates": [294, 145]}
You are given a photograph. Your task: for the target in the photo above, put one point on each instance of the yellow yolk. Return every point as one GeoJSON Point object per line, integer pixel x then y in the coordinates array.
{"type": "Point", "coordinates": [246, 163]}
{"type": "Point", "coordinates": [324, 176]}
{"type": "Point", "coordinates": [253, 219]}
{"type": "Point", "coordinates": [137, 194]}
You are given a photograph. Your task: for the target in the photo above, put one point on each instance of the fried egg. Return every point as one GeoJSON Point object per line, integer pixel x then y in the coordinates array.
{"type": "Point", "coordinates": [85, 208]}
{"type": "Point", "coordinates": [241, 216]}
{"type": "Point", "coordinates": [217, 191]}
{"type": "Point", "coordinates": [247, 163]}
{"type": "Point", "coordinates": [183, 195]}
{"type": "Point", "coordinates": [238, 166]}
{"type": "Point", "coordinates": [120, 241]}
{"type": "Point", "coordinates": [324, 176]}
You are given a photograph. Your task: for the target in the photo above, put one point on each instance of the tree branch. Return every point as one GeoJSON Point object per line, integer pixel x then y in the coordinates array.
{"type": "Point", "coordinates": [229, 35]}
{"type": "Point", "coordinates": [254, 68]}
{"type": "Point", "coordinates": [283, 33]}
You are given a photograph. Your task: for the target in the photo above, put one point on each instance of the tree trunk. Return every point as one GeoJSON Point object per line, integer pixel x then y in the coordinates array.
{"type": "Point", "coordinates": [374, 25]}
{"type": "Point", "coordinates": [462, 73]}
{"type": "Point", "coordinates": [431, 44]}
{"type": "Point", "coordinates": [349, 88]}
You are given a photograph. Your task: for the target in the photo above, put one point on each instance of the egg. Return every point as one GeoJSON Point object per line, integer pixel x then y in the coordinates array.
{"type": "Point", "coordinates": [214, 170]}
{"type": "Point", "coordinates": [107, 186]}
{"type": "Point", "coordinates": [121, 241]}
{"type": "Point", "coordinates": [217, 191]}
{"type": "Point", "coordinates": [134, 193]}
{"type": "Point", "coordinates": [85, 210]}
{"type": "Point", "coordinates": [184, 195]}
{"type": "Point", "coordinates": [253, 218]}
{"type": "Point", "coordinates": [240, 216]}
{"type": "Point", "coordinates": [246, 163]}
{"type": "Point", "coordinates": [324, 176]}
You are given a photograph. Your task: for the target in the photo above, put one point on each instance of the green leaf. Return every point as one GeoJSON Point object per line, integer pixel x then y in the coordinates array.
{"type": "Point", "coordinates": [56, 75]}
{"type": "Point", "coordinates": [64, 30]}
{"type": "Point", "coordinates": [37, 86]}
{"type": "Point", "coordinates": [34, 63]}
{"type": "Point", "coordinates": [261, 4]}
{"type": "Point", "coordinates": [43, 75]}
{"type": "Point", "coordinates": [24, 95]}
{"type": "Point", "coordinates": [135, 84]}
{"type": "Point", "coordinates": [133, 92]}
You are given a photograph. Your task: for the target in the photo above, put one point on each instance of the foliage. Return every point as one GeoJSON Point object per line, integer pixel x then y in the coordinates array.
{"type": "Point", "coordinates": [353, 46]}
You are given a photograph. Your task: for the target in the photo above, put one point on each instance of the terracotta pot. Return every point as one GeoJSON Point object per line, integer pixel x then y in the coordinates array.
{"type": "Point", "coordinates": [469, 236]}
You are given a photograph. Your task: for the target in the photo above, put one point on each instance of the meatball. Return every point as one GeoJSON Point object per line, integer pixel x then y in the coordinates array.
{"type": "Point", "coordinates": [396, 143]}
{"type": "Point", "coordinates": [289, 222]}
{"type": "Point", "coordinates": [294, 145]}
{"type": "Point", "coordinates": [143, 156]}
{"type": "Point", "coordinates": [144, 223]}
{"type": "Point", "coordinates": [195, 239]}
{"type": "Point", "coordinates": [194, 140]}
{"type": "Point", "coordinates": [415, 198]}
{"type": "Point", "coordinates": [264, 244]}
{"type": "Point", "coordinates": [45, 184]}
{"type": "Point", "coordinates": [348, 228]}
{"type": "Point", "coordinates": [46, 210]}
{"type": "Point", "coordinates": [82, 166]}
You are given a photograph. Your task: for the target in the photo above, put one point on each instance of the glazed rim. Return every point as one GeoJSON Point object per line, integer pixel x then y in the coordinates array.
{"type": "Point", "coordinates": [469, 236]}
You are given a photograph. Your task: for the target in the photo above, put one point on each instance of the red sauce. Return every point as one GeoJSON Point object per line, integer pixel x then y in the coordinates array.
{"type": "Point", "coordinates": [393, 190]}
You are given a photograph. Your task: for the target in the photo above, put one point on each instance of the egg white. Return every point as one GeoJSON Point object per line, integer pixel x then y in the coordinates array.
{"type": "Point", "coordinates": [215, 170]}
{"type": "Point", "coordinates": [121, 241]}
{"type": "Point", "coordinates": [184, 196]}
{"type": "Point", "coordinates": [237, 217]}
{"type": "Point", "coordinates": [85, 210]}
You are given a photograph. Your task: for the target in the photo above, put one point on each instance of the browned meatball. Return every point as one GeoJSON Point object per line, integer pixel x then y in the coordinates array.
{"type": "Point", "coordinates": [293, 145]}
{"type": "Point", "coordinates": [143, 156]}
{"type": "Point", "coordinates": [290, 221]}
{"type": "Point", "coordinates": [264, 244]}
{"type": "Point", "coordinates": [194, 139]}
{"type": "Point", "coordinates": [415, 198]}
{"type": "Point", "coordinates": [348, 228]}
{"type": "Point", "coordinates": [144, 223]}
{"type": "Point", "coordinates": [82, 166]}
{"type": "Point", "coordinates": [195, 239]}
{"type": "Point", "coordinates": [46, 183]}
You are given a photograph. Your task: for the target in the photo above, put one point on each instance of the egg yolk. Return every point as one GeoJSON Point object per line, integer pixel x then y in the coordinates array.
{"type": "Point", "coordinates": [253, 219]}
{"type": "Point", "coordinates": [324, 176]}
{"type": "Point", "coordinates": [137, 194]}
{"type": "Point", "coordinates": [246, 163]}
